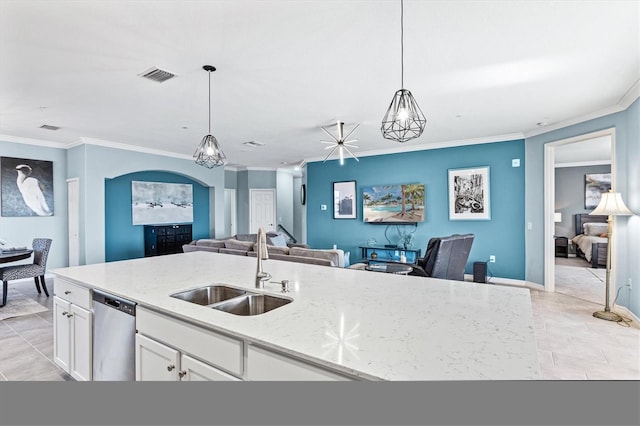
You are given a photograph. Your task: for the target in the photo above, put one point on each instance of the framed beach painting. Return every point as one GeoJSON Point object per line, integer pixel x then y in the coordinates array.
{"type": "Point", "coordinates": [469, 194]}
{"type": "Point", "coordinates": [398, 204]}
{"type": "Point", "coordinates": [594, 185]}
{"type": "Point", "coordinates": [344, 200]}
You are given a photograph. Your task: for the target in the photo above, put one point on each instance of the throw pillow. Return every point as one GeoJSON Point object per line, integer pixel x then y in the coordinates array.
{"type": "Point", "coordinates": [239, 245]}
{"type": "Point", "coordinates": [278, 241]}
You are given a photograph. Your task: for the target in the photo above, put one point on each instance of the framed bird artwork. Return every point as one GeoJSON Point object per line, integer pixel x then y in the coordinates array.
{"type": "Point", "coordinates": [26, 187]}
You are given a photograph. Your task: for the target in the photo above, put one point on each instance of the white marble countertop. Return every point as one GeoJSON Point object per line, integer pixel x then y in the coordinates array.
{"type": "Point", "coordinates": [369, 324]}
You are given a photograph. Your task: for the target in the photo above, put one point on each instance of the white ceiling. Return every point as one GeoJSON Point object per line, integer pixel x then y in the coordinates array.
{"type": "Point", "coordinates": [285, 68]}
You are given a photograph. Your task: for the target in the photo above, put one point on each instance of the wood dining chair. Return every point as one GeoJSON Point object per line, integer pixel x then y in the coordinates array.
{"type": "Point", "coordinates": [35, 270]}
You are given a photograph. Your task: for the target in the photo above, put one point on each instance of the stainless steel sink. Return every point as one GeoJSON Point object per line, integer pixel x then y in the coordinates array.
{"type": "Point", "coordinates": [252, 304]}
{"type": "Point", "coordinates": [209, 295]}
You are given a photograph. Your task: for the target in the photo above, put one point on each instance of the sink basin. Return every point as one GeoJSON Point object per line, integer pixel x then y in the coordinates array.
{"type": "Point", "coordinates": [252, 304]}
{"type": "Point", "coordinates": [209, 295]}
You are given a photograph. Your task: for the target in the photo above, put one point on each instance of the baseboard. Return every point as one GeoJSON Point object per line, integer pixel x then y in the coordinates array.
{"type": "Point", "coordinates": [626, 312]}
{"type": "Point", "coordinates": [507, 281]}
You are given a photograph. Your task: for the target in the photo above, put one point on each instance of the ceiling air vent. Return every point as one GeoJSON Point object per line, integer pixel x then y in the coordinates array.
{"type": "Point", "coordinates": [254, 143]}
{"type": "Point", "coordinates": [49, 127]}
{"type": "Point", "coordinates": [156, 74]}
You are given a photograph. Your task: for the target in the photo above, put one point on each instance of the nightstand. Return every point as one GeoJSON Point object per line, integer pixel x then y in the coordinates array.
{"type": "Point", "coordinates": [562, 246]}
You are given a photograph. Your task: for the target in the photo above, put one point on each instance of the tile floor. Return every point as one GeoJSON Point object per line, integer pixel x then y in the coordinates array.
{"type": "Point", "coordinates": [572, 344]}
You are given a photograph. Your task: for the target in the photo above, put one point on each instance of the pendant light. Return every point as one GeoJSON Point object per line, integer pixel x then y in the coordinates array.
{"type": "Point", "coordinates": [208, 153]}
{"type": "Point", "coordinates": [404, 119]}
{"type": "Point", "coordinates": [339, 143]}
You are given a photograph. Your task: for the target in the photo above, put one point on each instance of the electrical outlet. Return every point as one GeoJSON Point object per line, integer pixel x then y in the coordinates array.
{"type": "Point", "coordinates": [323, 206]}
{"type": "Point", "coordinates": [492, 259]}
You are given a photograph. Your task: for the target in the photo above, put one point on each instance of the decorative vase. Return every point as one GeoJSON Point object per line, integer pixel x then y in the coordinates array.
{"type": "Point", "coordinates": [371, 242]}
{"type": "Point", "coordinates": [374, 255]}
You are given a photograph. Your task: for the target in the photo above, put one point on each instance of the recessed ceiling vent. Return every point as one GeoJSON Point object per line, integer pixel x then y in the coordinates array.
{"type": "Point", "coordinates": [156, 74]}
{"type": "Point", "coordinates": [49, 127]}
{"type": "Point", "coordinates": [254, 143]}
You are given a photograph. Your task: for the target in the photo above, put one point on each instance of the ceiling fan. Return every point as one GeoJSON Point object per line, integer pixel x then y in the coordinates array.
{"type": "Point", "coordinates": [340, 143]}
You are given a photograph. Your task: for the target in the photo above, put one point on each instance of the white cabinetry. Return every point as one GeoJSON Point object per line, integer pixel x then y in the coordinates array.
{"type": "Point", "coordinates": [72, 329]}
{"type": "Point", "coordinates": [166, 350]}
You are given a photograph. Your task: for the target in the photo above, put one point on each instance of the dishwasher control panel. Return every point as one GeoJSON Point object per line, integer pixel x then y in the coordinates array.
{"type": "Point", "coordinates": [116, 303]}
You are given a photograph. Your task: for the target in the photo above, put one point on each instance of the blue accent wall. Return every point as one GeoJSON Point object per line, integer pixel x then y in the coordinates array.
{"type": "Point", "coordinates": [126, 241]}
{"type": "Point", "coordinates": [502, 236]}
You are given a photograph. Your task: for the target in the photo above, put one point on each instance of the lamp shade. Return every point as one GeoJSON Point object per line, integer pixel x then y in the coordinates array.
{"type": "Point", "coordinates": [557, 217]}
{"type": "Point", "coordinates": [611, 204]}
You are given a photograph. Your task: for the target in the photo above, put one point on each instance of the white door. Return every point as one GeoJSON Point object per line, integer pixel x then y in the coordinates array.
{"type": "Point", "coordinates": [82, 335]}
{"type": "Point", "coordinates": [262, 210]}
{"type": "Point", "coordinates": [61, 333]}
{"type": "Point", "coordinates": [155, 361]}
{"type": "Point", "coordinates": [73, 206]}
{"type": "Point", "coordinates": [230, 212]}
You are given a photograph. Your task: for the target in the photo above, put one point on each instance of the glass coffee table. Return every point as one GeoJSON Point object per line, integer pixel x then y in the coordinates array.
{"type": "Point", "coordinates": [390, 268]}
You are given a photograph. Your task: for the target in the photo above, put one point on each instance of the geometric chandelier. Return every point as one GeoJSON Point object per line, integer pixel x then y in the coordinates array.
{"type": "Point", "coordinates": [209, 153]}
{"type": "Point", "coordinates": [404, 119]}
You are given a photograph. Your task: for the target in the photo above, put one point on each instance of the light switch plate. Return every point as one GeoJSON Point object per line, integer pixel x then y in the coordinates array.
{"type": "Point", "coordinates": [323, 206]}
{"type": "Point", "coordinates": [515, 162]}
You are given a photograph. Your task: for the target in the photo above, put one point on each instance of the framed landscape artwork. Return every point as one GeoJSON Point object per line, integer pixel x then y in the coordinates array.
{"type": "Point", "coordinates": [594, 185]}
{"type": "Point", "coordinates": [344, 200]}
{"type": "Point", "coordinates": [398, 204]}
{"type": "Point", "coordinates": [469, 194]}
{"type": "Point", "coordinates": [154, 203]}
{"type": "Point", "coordinates": [26, 186]}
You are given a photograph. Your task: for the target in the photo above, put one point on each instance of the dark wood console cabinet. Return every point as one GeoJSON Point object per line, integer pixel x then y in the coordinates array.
{"type": "Point", "coordinates": [165, 239]}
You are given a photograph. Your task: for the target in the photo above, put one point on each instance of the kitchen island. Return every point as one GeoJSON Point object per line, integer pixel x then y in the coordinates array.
{"type": "Point", "coordinates": [352, 324]}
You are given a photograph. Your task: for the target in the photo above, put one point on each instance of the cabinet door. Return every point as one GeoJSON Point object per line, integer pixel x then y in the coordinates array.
{"type": "Point", "coordinates": [81, 340]}
{"type": "Point", "coordinates": [155, 361]}
{"type": "Point", "coordinates": [61, 333]}
{"type": "Point", "coordinates": [193, 370]}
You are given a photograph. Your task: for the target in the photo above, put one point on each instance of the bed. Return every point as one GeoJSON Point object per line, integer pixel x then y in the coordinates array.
{"type": "Point", "coordinates": [590, 245]}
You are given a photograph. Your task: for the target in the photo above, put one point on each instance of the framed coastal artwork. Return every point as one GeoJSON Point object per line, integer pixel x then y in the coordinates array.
{"type": "Point", "coordinates": [469, 194]}
{"type": "Point", "coordinates": [154, 203]}
{"type": "Point", "coordinates": [344, 200]}
{"type": "Point", "coordinates": [26, 187]}
{"type": "Point", "coordinates": [594, 185]}
{"type": "Point", "coordinates": [399, 204]}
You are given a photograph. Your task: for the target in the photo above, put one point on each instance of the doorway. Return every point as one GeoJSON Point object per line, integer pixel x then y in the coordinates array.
{"type": "Point", "coordinates": [569, 160]}
{"type": "Point", "coordinates": [230, 216]}
{"type": "Point", "coordinates": [262, 210]}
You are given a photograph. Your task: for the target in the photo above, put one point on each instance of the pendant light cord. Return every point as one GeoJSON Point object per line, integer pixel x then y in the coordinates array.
{"type": "Point", "coordinates": [402, 44]}
{"type": "Point", "coordinates": [209, 102]}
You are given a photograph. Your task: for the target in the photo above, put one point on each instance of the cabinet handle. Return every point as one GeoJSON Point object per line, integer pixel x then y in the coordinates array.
{"type": "Point", "coordinates": [64, 313]}
{"type": "Point", "coordinates": [170, 367]}
{"type": "Point", "coordinates": [67, 292]}
{"type": "Point", "coordinates": [69, 315]}
{"type": "Point", "coordinates": [182, 373]}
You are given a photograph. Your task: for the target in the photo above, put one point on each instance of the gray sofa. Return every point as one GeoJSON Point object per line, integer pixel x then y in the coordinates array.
{"type": "Point", "coordinates": [243, 245]}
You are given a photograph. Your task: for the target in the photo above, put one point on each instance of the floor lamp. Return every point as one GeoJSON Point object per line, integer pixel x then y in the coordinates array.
{"type": "Point", "coordinates": [611, 204]}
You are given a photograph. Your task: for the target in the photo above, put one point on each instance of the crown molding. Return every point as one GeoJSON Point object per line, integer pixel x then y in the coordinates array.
{"type": "Point", "coordinates": [396, 149]}
{"type": "Point", "coordinates": [576, 120]}
{"type": "Point", "coordinates": [126, 147]}
{"type": "Point", "coordinates": [28, 141]}
{"type": "Point", "coordinates": [632, 94]}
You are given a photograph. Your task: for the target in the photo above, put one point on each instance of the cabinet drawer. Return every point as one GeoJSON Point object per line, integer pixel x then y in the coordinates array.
{"type": "Point", "coordinates": [73, 293]}
{"type": "Point", "coordinates": [263, 364]}
{"type": "Point", "coordinates": [217, 349]}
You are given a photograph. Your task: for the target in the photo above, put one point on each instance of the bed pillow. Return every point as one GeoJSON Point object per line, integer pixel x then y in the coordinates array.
{"type": "Point", "coordinates": [595, 229]}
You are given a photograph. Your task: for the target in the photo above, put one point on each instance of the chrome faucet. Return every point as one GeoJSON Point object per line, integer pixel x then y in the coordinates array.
{"type": "Point", "coordinates": [262, 254]}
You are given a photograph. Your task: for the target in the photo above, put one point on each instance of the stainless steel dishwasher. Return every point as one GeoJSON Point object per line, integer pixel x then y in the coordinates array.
{"type": "Point", "coordinates": [114, 330]}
